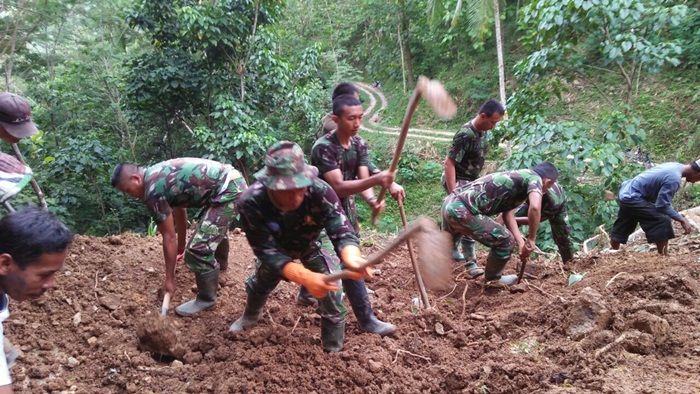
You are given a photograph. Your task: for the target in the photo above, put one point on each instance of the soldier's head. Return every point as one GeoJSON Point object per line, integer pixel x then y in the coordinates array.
{"type": "Point", "coordinates": [691, 172]}
{"type": "Point", "coordinates": [548, 172]}
{"type": "Point", "coordinates": [33, 246]}
{"type": "Point", "coordinates": [286, 176]}
{"type": "Point", "coordinates": [345, 88]}
{"type": "Point", "coordinates": [15, 118]}
{"type": "Point", "coordinates": [128, 178]}
{"type": "Point", "coordinates": [347, 114]}
{"type": "Point", "coordinates": [490, 113]}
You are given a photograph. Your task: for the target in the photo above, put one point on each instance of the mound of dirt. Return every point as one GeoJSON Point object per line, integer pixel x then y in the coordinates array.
{"type": "Point", "coordinates": [631, 325]}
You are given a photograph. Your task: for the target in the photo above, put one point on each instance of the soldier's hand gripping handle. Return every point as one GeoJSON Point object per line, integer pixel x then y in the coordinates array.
{"type": "Point", "coordinates": [313, 281]}
{"type": "Point", "coordinates": [354, 261]}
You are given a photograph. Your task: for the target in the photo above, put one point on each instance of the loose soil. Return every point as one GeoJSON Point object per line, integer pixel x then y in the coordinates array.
{"type": "Point", "coordinates": [631, 325]}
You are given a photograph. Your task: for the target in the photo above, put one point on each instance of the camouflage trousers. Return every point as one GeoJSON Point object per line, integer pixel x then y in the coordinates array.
{"type": "Point", "coordinates": [461, 219]}
{"type": "Point", "coordinates": [208, 247]}
{"type": "Point", "coordinates": [264, 280]}
{"type": "Point", "coordinates": [560, 230]}
{"type": "Point", "coordinates": [468, 252]}
{"type": "Point", "coordinates": [210, 233]}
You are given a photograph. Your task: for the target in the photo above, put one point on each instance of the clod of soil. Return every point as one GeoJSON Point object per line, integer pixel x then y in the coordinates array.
{"type": "Point", "coordinates": [159, 335]}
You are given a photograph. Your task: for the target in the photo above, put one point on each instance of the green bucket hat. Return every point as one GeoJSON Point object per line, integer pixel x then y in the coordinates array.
{"type": "Point", "coordinates": [285, 168]}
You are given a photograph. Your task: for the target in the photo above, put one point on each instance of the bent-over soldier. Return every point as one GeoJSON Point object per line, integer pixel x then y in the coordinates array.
{"type": "Point", "coordinates": [468, 211]}
{"type": "Point", "coordinates": [168, 188]}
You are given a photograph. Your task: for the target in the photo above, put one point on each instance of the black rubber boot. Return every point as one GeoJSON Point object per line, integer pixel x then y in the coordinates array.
{"type": "Point", "coordinates": [332, 336]}
{"type": "Point", "coordinates": [221, 254]}
{"type": "Point", "coordinates": [304, 298]}
{"type": "Point", "coordinates": [207, 284]}
{"type": "Point", "coordinates": [253, 310]}
{"type": "Point", "coordinates": [359, 301]}
{"type": "Point", "coordinates": [494, 267]}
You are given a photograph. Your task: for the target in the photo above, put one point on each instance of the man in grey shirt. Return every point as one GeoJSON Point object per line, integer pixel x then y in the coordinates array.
{"type": "Point", "coordinates": [646, 199]}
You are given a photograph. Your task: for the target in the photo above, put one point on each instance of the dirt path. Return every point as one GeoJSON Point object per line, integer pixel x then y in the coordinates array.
{"type": "Point", "coordinates": [631, 325]}
{"type": "Point", "coordinates": [376, 95]}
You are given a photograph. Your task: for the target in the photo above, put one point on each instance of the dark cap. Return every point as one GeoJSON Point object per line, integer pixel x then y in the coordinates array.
{"type": "Point", "coordinates": [16, 115]}
{"type": "Point", "coordinates": [285, 168]}
{"type": "Point", "coordinates": [546, 170]}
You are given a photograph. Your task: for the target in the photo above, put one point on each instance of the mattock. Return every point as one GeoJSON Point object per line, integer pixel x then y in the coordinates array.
{"type": "Point", "coordinates": [435, 94]}
{"type": "Point", "coordinates": [434, 254]}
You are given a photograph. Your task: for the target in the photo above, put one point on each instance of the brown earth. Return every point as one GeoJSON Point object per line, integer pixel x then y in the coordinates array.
{"type": "Point", "coordinates": [631, 325]}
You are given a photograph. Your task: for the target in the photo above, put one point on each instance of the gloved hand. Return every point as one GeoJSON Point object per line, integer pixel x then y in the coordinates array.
{"type": "Point", "coordinates": [313, 281]}
{"type": "Point", "coordinates": [353, 260]}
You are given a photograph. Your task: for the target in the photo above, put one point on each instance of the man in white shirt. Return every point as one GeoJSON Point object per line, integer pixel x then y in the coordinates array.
{"type": "Point", "coordinates": [33, 247]}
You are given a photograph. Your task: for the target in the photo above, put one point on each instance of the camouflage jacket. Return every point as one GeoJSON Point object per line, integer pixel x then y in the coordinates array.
{"type": "Point", "coordinates": [278, 237]}
{"type": "Point", "coordinates": [500, 192]}
{"type": "Point", "coordinates": [554, 210]}
{"type": "Point", "coordinates": [13, 176]}
{"type": "Point", "coordinates": [468, 150]}
{"type": "Point", "coordinates": [327, 155]}
{"type": "Point", "coordinates": [189, 182]}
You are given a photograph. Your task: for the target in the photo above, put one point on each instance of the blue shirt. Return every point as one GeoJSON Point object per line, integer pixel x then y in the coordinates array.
{"type": "Point", "coordinates": [656, 185]}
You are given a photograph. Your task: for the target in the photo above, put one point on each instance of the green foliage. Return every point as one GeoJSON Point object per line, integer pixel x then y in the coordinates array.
{"type": "Point", "coordinates": [625, 36]}
{"type": "Point", "coordinates": [152, 229]}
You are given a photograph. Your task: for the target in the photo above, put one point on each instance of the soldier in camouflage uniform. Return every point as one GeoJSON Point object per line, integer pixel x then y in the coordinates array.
{"type": "Point", "coordinates": [553, 210]}
{"type": "Point", "coordinates": [283, 214]}
{"type": "Point", "coordinates": [342, 159]}
{"type": "Point", "coordinates": [468, 211]}
{"type": "Point", "coordinates": [327, 123]}
{"type": "Point", "coordinates": [168, 188]}
{"type": "Point", "coordinates": [14, 176]}
{"type": "Point", "coordinates": [464, 163]}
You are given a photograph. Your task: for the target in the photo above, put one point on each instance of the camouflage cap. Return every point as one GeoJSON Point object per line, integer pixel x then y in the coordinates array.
{"type": "Point", "coordinates": [285, 168]}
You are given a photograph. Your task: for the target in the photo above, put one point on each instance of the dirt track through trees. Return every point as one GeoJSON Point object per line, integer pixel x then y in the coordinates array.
{"type": "Point", "coordinates": [376, 127]}
{"type": "Point", "coordinates": [631, 325]}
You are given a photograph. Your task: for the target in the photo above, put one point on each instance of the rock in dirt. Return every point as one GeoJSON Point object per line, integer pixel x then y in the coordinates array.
{"type": "Point", "coordinates": [176, 364]}
{"type": "Point", "coordinates": [73, 362]}
{"type": "Point", "coordinates": [651, 324]}
{"type": "Point", "coordinates": [589, 313]}
{"type": "Point", "coordinates": [375, 366]}
{"type": "Point", "coordinates": [638, 342]}
{"type": "Point", "coordinates": [77, 318]}
{"type": "Point", "coordinates": [110, 301]}
{"type": "Point", "coordinates": [160, 335]}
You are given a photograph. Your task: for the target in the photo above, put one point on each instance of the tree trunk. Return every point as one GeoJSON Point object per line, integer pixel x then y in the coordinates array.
{"type": "Point", "coordinates": [11, 54]}
{"type": "Point", "coordinates": [499, 51]}
{"type": "Point", "coordinates": [403, 64]}
{"type": "Point", "coordinates": [405, 43]}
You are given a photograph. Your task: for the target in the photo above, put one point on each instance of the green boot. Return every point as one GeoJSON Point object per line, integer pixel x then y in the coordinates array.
{"type": "Point", "coordinates": [332, 336]}
{"type": "Point", "coordinates": [469, 251]}
{"type": "Point", "coordinates": [221, 254]}
{"type": "Point", "coordinates": [207, 284]}
{"type": "Point", "coordinates": [253, 310]}
{"type": "Point", "coordinates": [494, 267]}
